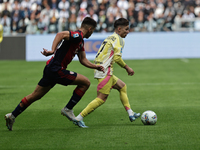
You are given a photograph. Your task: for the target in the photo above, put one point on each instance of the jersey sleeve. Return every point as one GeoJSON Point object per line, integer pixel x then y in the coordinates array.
{"type": "Point", "coordinates": [118, 45]}
{"type": "Point", "coordinates": [118, 59]}
{"type": "Point", "coordinates": [75, 37]}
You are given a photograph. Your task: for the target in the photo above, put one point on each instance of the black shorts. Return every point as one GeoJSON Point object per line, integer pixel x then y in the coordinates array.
{"type": "Point", "coordinates": [63, 77]}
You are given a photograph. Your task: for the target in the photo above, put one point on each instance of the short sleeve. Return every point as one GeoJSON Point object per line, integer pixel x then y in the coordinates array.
{"type": "Point", "coordinates": [75, 37]}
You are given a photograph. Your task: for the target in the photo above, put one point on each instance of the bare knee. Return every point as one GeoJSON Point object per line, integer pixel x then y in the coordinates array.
{"type": "Point", "coordinates": [82, 82]}
{"type": "Point", "coordinates": [87, 83]}
{"type": "Point", "coordinates": [102, 96]}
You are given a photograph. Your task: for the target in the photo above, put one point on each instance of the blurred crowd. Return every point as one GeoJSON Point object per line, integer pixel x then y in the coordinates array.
{"type": "Point", "coordinates": [52, 16]}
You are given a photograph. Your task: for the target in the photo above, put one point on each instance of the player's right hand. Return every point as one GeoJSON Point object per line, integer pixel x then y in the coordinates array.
{"type": "Point", "coordinates": [45, 52]}
{"type": "Point", "coordinates": [100, 68]}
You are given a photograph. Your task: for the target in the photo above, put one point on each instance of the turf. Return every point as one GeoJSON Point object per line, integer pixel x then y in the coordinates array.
{"type": "Point", "coordinates": [170, 87]}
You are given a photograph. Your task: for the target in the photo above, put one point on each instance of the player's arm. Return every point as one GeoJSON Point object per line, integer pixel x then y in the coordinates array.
{"type": "Point", "coordinates": [117, 46]}
{"type": "Point", "coordinates": [59, 36]}
{"type": "Point", "coordinates": [129, 70]}
{"type": "Point", "coordinates": [118, 59]}
{"type": "Point", "coordinates": [84, 61]}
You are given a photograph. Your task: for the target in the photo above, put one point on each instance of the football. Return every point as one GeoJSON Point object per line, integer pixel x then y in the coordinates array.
{"type": "Point", "coordinates": [149, 117]}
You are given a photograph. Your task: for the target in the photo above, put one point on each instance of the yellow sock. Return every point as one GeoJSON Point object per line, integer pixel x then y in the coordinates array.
{"type": "Point", "coordinates": [124, 98]}
{"type": "Point", "coordinates": [92, 106]}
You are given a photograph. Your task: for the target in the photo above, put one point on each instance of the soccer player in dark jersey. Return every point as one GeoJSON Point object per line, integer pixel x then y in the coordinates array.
{"type": "Point", "coordinates": [65, 46]}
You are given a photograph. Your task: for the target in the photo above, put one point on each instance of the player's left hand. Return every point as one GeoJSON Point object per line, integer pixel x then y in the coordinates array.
{"type": "Point", "coordinates": [45, 52]}
{"type": "Point", "coordinates": [130, 71]}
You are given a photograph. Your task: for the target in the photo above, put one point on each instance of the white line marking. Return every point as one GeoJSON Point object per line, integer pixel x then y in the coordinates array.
{"type": "Point", "coordinates": [156, 84]}
{"type": "Point", "coordinates": [185, 60]}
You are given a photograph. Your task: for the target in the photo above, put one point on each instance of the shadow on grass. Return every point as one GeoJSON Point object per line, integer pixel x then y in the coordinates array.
{"type": "Point", "coordinates": [39, 130]}
{"type": "Point", "coordinates": [71, 129]}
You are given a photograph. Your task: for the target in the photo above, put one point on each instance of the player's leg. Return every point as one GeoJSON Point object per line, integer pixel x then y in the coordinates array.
{"type": "Point", "coordinates": [83, 84]}
{"type": "Point", "coordinates": [122, 88]}
{"type": "Point", "coordinates": [103, 90]}
{"type": "Point", "coordinates": [38, 93]}
{"type": "Point", "coordinates": [44, 85]}
{"type": "Point", "coordinates": [98, 101]}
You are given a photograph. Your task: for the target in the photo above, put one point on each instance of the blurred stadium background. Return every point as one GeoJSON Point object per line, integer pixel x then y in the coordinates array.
{"type": "Point", "coordinates": [163, 32]}
{"type": "Point", "coordinates": [159, 28]}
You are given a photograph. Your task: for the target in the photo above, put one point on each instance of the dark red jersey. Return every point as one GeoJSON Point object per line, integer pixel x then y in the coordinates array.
{"type": "Point", "coordinates": [66, 51]}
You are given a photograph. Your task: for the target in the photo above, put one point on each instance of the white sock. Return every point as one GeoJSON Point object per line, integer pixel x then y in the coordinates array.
{"type": "Point", "coordinates": [130, 112]}
{"type": "Point", "coordinates": [79, 117]}
{"type": "Point", "coordinates": [66, 108]}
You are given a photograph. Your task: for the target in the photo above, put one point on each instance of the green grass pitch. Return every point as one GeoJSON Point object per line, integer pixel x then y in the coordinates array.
{"type": "Point", "coordinates": [170, 87]}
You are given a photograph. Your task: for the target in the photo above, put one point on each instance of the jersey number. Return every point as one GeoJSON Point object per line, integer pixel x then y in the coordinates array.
{"type": "Point", "coordinates": [103, 45]}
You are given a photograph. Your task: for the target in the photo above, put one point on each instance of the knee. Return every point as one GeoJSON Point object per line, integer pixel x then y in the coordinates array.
{"type": "Point", "coordinates": [123, 89]}
{"type": "Point", "coordinates": [83, 83]}
{"type": "Point", "coordinates": [104, 98]}
{"type": "Point", "coordinates": [87, 83]}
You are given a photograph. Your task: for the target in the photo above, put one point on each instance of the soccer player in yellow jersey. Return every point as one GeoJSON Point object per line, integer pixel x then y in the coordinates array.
{"type": "Point", "coordinates": [110, 52]}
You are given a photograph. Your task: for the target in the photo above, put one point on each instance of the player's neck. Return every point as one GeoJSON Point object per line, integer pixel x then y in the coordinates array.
{"type": "Point", "coordinates": [118, 33]}
{"type": "Point", "coordinates": [83, 31]}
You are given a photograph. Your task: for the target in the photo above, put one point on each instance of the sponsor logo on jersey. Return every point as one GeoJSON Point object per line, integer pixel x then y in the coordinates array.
{"type": "Point", "coordinates": [76, 35]}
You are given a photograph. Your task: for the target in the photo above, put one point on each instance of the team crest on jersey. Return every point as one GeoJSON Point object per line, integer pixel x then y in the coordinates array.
{"type": "Point", "coordinates": [76, 35]}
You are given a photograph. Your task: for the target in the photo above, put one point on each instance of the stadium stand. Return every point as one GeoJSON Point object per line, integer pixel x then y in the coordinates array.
{"type": "Point", "coordinates": [51, 16]}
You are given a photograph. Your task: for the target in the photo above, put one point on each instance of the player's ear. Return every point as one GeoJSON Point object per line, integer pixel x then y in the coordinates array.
{"type": "Point", "coordinates": [119, 28]}
{"type": "Point", "coordinates": [90, 29]}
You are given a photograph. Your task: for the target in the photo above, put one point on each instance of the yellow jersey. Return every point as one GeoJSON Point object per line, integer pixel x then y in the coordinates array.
{"type": "Point", "coordinates": [110, 47]}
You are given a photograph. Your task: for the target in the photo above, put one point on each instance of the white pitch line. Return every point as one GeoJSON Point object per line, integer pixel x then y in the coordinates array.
{"type": "Point", "coordinates": [141, 84]}
{"type": "Point", "coordinates": [185, 60]}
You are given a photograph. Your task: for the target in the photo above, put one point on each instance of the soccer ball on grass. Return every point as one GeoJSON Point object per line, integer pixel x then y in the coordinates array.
{"type": "Point", "coordinates": [149, 117]}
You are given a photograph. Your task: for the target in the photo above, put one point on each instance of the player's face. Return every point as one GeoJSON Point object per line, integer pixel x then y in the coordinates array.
{"type": "Point", "coordinates": [89, 33]}
{"type": "Point", "coordinates": [123, 31]}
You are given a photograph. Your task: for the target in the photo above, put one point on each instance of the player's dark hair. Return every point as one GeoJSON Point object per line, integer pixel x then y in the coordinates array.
{"type": "Point", "coordinates": [121, 22]}
{"type": "Point", "coordinates": [89, 22]}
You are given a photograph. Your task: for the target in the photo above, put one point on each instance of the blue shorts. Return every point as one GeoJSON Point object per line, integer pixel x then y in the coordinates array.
{"type": "Point", "coordinates": [63, 77]}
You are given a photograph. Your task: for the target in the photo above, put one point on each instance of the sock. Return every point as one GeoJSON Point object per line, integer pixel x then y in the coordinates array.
{"type": "Point", "coordinates": [79, 117]}
{"type": "Point", "coordinates": [130, 112]}
{"type": "Point", "coordinates": [18, 110]}
{"type": "Point", "coordinates": [92, 106]}
{"type": "Point", "coordinates": [124, 98]}
{"type": "Point", "coordinates": [77, 95]}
